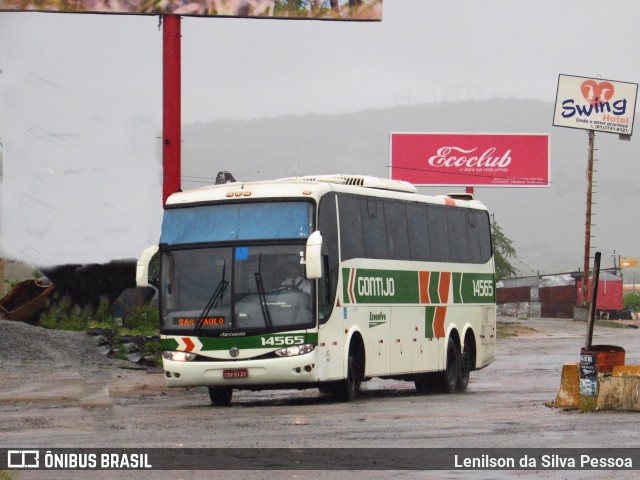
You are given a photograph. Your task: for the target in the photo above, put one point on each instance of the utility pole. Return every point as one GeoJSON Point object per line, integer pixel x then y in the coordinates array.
{"type": "Point", "coordinates": [587, 230]}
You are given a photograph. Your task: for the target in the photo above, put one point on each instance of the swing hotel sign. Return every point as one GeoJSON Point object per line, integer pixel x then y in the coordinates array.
{"type": "Point", "coordinates": [595, 104]}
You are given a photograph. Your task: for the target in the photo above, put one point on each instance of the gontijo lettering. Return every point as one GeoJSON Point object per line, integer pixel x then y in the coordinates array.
{"type": "Point", "coordinates": [376, 286]}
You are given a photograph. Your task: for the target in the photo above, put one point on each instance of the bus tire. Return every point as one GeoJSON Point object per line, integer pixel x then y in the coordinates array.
{"type": "Point", "coordinates": [464, 371]}
{"type": "Point", "coordinates": [449, 378]}
{"type": "Point", "coordinates": [347, 389]}
{"type": "Point", "coordinates": [220, 396]}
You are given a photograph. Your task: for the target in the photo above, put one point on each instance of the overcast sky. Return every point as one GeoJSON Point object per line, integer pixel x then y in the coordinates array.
{"type": "Point", "coordinates": [80, 109]}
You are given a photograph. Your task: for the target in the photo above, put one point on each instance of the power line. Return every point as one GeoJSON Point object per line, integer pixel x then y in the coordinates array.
{"type": "Point", "coordinates": [462, 174]}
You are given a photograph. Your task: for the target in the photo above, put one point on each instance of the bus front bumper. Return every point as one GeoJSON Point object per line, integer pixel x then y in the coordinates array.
{"type": "Point", "coordinates": [241, 373]}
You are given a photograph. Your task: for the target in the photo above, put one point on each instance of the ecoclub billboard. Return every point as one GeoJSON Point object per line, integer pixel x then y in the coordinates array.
{"type": "Point", "coordinates": [470, 159]}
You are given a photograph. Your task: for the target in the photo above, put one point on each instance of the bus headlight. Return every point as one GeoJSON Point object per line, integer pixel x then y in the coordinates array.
{"type": "Point", "coordinates": [295, 350]}
{"type": "Point", "coordinates": [178, 356]}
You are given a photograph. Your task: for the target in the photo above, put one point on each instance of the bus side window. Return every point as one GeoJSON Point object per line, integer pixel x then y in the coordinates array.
{"type": "Point", "coordinates": [397, 237]}
{"type": "Point", "coordinates": [457, 226]}
{"type": "Point", "coordinates": [475, 250]}
{"type": "Point", "coordinates": [484, 231]}
{"type": "Point", "coordinates": [351, 237]}
{"type": "Point", "coordinates": [438, 233]}
{"type": "Point", "coordinates": [375, 240]}
{"type": "Point", "coordinates": [418, 232]}
{"type": "Point", "coordinates": [328, 225]}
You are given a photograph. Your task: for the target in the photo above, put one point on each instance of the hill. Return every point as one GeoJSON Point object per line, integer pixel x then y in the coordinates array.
{"type": "Point", "coordinates": [546, 224]}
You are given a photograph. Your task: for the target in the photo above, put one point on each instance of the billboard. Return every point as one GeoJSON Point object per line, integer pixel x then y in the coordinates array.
{"type": "Point", "coordinates": [471, 159]}
{"type": "Point", "coordinates": [292, 9]}
{"type": "Point", "coordinates": [595, 104]}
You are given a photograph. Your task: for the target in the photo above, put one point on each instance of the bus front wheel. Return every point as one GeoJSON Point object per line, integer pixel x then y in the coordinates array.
{"type": "Point", "coordinates": [220, 396]}
{"type": "Point", "coordinates": [347, 389]}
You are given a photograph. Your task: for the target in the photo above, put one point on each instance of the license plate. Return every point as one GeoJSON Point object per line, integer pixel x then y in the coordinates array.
{"type": "Point", "coordinates": [239, 373]}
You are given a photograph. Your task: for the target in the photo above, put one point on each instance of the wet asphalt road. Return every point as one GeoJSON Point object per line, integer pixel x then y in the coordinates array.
{"type": "Point", "coordinates": [506, 405]}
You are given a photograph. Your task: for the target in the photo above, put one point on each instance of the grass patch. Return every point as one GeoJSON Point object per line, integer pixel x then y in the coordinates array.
{"type": "Point", "coordinates": [141, 321]}
{"type": "Point", "coordinates": [512, 329]}
{"type": "Point", "coordinates": [610, 324]}
{"type": "Point", "coordinates": [63, 315]}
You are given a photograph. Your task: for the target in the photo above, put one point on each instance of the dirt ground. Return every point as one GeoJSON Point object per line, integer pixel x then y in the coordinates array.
{"type": "Point", "coordinates": [83, 400]}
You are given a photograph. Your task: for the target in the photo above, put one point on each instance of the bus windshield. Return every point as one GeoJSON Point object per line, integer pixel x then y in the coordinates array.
{"type": "Point", "coordinates": [212, 290]}
{"type": "Point", "coordinates": [236, 221]}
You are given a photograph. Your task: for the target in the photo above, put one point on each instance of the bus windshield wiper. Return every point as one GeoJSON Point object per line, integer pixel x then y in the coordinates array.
{"type": "Point", "coordinates": [262, 295]}
{"type": "Point", "coordinates": [216, 297]}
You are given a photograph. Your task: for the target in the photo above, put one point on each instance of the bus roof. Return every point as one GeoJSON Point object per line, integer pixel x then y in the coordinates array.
{"type": "Point", "coordinates": [315, 186]}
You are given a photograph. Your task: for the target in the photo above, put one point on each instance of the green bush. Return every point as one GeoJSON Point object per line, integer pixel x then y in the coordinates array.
{"type": "Point", "coordinates": [144, 320]}
{"type": "Point", "coordinates": [63, 315]}
{"type": "Point", "coordinates": [632, 300]}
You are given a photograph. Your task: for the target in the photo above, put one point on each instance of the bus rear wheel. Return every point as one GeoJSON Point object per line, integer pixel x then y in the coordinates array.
{"type": "Point", "coordinates": [449, 378]}
{"type": "Point", "coordinates": [220, 396]}
{"type": "Point", "coordinates": [464, 371]}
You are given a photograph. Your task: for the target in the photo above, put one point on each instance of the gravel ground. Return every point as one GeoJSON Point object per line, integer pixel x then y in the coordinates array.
{"type": "Point", "coordinates": [56, 364]}
{"type": "Point", "coordinates": [22, 343]}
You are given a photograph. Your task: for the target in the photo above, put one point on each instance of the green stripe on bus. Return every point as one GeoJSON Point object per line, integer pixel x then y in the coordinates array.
{"type": "Point", "coordinates": [474, 288]}
{"type": "Point", "coordinates": [380, 286]}
{"type": "Point", "coordinates": [434, 284]}
{"type": "Point", "coordinates": [369, 286]}
{"type": "Point", "coordinates": [429, 316]}
{"type": "Point", "coordinates": [249, 342]}
{"type": "Point", "coordinates": [169, 344]}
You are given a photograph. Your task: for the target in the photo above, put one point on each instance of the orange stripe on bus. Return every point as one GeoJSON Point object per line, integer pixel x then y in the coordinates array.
{"type": "Point", "coordinates": [438, 322]}
{"type": "Point", "coordinates": [424, 288]}
{"type": "Point", "coordinates": [443, 288]}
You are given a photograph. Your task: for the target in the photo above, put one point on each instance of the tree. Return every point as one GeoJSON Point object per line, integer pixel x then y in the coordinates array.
{"type": "Point", "coordinates": [503, 251]}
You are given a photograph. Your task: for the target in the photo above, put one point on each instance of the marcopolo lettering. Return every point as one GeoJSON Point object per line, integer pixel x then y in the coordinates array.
{"type": "Point", "coordinates": [376, 287]}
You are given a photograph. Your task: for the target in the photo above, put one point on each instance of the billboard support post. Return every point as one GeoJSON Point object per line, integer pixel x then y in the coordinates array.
{"type": "Point", "coordinates": [171, 105]}
{"type": "Point", "coordinates": [587, 229]}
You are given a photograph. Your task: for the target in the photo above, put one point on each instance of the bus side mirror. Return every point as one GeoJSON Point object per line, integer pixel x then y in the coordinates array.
{"type": "Point", "coordinates": [142, 267]}
{"type": "Point", "coordinates": [313, 256]}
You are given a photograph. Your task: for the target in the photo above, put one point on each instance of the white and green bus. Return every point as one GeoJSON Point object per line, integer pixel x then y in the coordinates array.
{"type": "Point", "coordinates": [324, 282]}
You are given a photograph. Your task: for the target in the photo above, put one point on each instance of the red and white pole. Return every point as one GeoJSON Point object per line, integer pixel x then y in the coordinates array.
{"type": "Point", "coordinates": [171, 105]}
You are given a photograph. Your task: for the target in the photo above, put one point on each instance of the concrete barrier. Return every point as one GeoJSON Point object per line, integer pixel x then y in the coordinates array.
{"type": "Point", "coordinates": [569, 392]}
{"type": "Point", "coordinates": [619, 390]}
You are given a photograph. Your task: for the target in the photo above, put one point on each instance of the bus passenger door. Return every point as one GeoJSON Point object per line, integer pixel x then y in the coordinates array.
{"type": "Point", "coordinates": [378, 361]}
